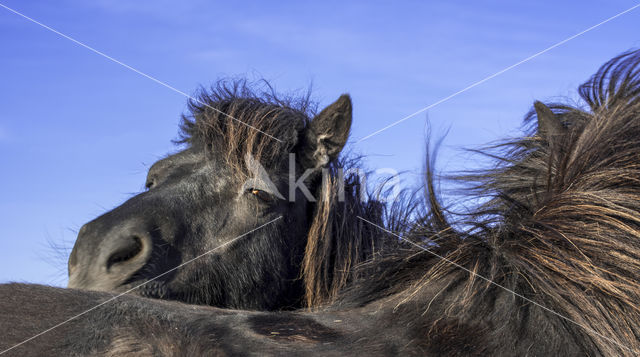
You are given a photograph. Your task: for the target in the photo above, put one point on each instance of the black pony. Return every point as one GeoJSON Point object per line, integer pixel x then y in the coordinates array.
{"type": "Point", "coordinates": [548, 265]}
{"type": "Point", "coordinates": [251, 160]}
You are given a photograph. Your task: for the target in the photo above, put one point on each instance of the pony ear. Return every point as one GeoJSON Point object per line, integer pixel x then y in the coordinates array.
{"type": "Point", "coordinates": [548, 124]}
{"type": "Point", "coordinates": [326, 134]}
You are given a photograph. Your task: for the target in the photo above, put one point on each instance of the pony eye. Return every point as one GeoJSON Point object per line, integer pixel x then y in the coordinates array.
{"type": "Point", "coordinates": [262, 195]}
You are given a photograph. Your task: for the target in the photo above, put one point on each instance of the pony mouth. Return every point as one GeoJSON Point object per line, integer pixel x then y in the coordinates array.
{"type": "Point", "coordinates": [151, 289]}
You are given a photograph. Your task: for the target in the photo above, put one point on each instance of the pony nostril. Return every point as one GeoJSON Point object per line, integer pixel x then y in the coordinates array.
{"type": "Point", "coordinates": [131, 248]}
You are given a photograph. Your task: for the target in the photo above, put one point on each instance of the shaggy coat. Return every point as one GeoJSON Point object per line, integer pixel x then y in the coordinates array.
{"type": "Point", "coordinates": [547, 265]}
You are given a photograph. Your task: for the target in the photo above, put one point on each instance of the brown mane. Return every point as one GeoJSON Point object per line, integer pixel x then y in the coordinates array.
{"type": "Point", "coordinates": [561, 228]}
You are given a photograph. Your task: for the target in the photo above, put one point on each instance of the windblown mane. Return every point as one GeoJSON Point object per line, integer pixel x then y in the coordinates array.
{"type": "Point", "coordinates": [548, 263]}
{"type": "Point", "coordinates": [561, 228]}
{"type": "Point", "coordinates": [556, 243]}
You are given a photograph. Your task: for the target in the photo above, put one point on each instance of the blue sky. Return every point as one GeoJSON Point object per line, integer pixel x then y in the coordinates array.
{"type": "Point", "coordinates": [78, 132]}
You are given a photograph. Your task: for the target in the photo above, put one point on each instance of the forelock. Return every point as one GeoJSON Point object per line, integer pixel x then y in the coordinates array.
{"type": "Point", "coordinates": [235, 118]}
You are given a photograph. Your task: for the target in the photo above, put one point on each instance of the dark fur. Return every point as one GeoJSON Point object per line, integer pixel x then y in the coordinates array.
{"type": "Point", "coordinates": [302, 259]}
{"type": "Point", "coordinates": [560, 226]}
